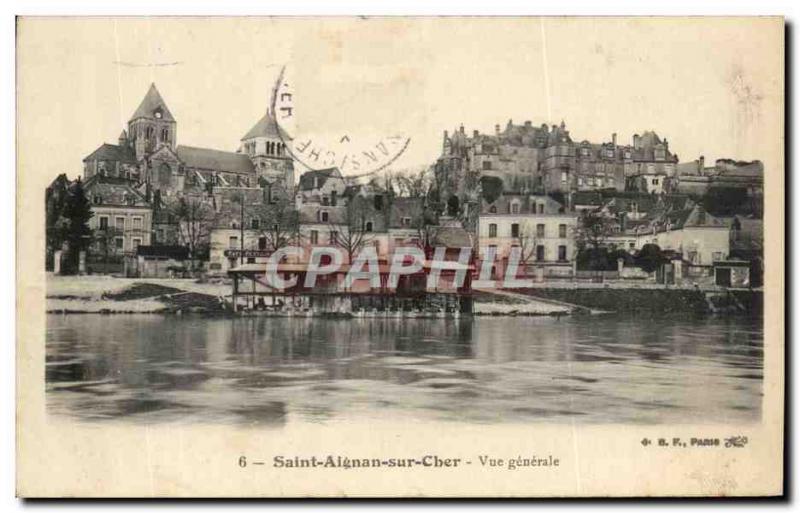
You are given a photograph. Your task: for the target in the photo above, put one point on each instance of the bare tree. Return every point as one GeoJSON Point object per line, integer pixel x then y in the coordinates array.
{"type": "Point", "coordinates": [527, 242]}
{"type": "Point", "coordinates": [354, 232]}
{"type": "Point", "coordinates": [593, 230]}
{"type": "Point", "coordinates": [106, 239]}
{"type": "Point", "coordinates": [279, 223]}
{"type": "Point", "coordinates": [414, 184]}
{"type": "Point", "coordinates": [195, 218]}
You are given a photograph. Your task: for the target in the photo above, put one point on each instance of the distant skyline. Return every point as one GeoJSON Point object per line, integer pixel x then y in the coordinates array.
{"type": "Point", "coordinates": [708, 90]}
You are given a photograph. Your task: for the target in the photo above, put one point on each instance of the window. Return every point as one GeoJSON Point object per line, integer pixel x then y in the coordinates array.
{"type": "Point", "coordinates": [562, 231]}
{"type": "Point", "coordinates": [541, 208]}
{"type": "Point", "coordinates": [120, 223]}
{"type": "Point", "coordinates": [540, 253]}
{"type": "Point", "coordinates": [515, 230]}
{"type": "Point", "coordinates": [701, 217]}
{"type": "Point", "coordinates": [717, 256]}
{"type": "Point", "coordinates": [164, 135]}
{"type": "Point", "coordinates": [98, 200]}
{"type": "Point", "coordinates": [254, 224]}
{"type": "Point", "coordinates": [149, 132]}
{"type": "Point", "coordinates": [515, 208]}
{"type": "Point", "coordinates": [540, 230]}
{"type": "Point", "coordinates": [161, 235]}
{"type": "Point", "coordinates": [692, 256]}
{"type": "Point", "coordinates": [136, 243]}
{"type": "Point", "coordinates": [119, 242]}
{"type": "Point", "coordinates": [562, 253]}
{"type": "Point", "coordinates": [103, 223]}
{"type": "Point", "coordinates": [325, 200]}
{"type": "Point", "coordinates": [323, 216]}
{"type": "Point", "coordinates": [492, 230]}
{"type": "Point", "coordinates": [333, 236]}
{"type": "Point", "coordinates": [493, 209]}
{"type": "Point", "coordinates": [655, 181]}
{"type": "Point", "coordinates": [262, 243]}
{"type": "Point", "coordinates": [631, 245]}
{"type": "Point", "coordinates": [368, 226]}
{"type": "Point", "coordinates": [564, 177]}
{"type": "Point", "coordinates": [487, 165]}
{"type": "Point", "coordinates": [406, 221]}
{"type": "Point", "coordinates": [251, 260]}
{"type": "Point", "coordinates": [137, 223]}
{"type": "Point", "coordinates": [233, 242]}
{"type": "Point", "coordinates": [314, 237]}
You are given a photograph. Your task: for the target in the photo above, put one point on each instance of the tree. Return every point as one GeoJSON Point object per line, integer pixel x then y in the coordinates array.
{"type": "Point", "coordinates": [353, 234]}
{"type": "Point", "coordinates": [650, 258]}
{"type": "Point", "coordinates": [74, 225]}
{"type": "Point", "coordinates": [195, 218]}
{"type": "Point", "coordinates": [106, 239]}
{"type": "Point", "coordinates": [413, 184]}
{"type": "Point", "coordinates": [593, 230]}
{"type": "Point", "coordinates": [491, 188]}
{"type": "Point", "coordinates": [279, 223]}
{"type": "Point", "coordinates": [591, 233]}
{"type": "Point", "coordinates": [527, 241]}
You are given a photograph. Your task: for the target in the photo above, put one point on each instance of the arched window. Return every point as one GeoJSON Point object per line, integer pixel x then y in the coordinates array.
{"type": "Point", "coordinates": [164, 135]}
{"type": "Point", "coordinates": [149, 132]}
{"type": "Point", "coordinates": [493, 209]}
{"type": "Point", "coordinates": [368, 226]}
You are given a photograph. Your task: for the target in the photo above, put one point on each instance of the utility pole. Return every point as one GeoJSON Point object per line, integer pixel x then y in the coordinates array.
{"type": "Point", "coordinates": [241, 229]}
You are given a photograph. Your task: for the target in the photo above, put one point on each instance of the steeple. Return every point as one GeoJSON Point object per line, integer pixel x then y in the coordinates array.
{"type": "Point", "coordinates": [153, 106]}
{"type": "Point", "coordinates": [265, 144]}
{"type": "Point", "coordinates": [265, 127]}
{"type": "Point", "coordinates": [151, 125]}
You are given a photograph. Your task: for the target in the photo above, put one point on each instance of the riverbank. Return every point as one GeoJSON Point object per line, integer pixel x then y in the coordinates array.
{"type": "Point", "coordinates": [107, 295]}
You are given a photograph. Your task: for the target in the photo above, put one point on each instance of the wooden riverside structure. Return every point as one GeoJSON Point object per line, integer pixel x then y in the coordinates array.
{"type": "Point", "coordinates": [337, 293]}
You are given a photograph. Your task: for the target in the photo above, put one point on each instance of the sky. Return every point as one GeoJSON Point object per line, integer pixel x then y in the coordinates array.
{"type": "Point", "coordinates": [712, 87]}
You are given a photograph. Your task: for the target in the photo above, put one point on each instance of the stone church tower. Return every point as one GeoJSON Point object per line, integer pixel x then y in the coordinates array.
{"type": "Point", "coordinates": [152, 125]}
{"type": "Point", "coordinates": [265, 144]}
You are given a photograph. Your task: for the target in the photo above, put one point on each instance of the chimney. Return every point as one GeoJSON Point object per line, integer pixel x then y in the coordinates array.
{"type": "Point", "coordinates": [614, 138]}
{"type": "Point", "coordinates": [497, 129]}
{"type": "Point", "coordinates": [527, 124]}
{"type": "Point", "coordinates": [701, 164]}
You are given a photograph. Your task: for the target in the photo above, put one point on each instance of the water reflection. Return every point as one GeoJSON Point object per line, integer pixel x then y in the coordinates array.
{"type": "Point", "coordinates": [274, 371]}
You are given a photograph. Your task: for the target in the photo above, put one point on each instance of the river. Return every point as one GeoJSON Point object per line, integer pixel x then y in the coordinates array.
{"type": "Point", "coordinates": [277, 371]}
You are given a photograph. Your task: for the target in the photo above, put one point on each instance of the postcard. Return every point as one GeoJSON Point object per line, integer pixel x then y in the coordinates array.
{"type": "Point", "coordinates": [400, 256]}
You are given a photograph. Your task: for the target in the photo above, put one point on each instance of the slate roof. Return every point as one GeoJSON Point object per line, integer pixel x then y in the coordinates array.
{"type": "Point", "coordinates": [113, 191]}
{"type": "Point", "coordinates": [266, 127]}
{"type": "Point", "coordinates": [152, 101]}
{"type": "Point", "coordinates": [307, 178]}
{"type": "Point", "coordinates": [112, 152]}
{"type": "Point", "coordinates": [217, 160]}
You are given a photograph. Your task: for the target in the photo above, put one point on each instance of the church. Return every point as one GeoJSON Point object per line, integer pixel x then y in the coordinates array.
{"type": "Point", "coordinates": [148, 157]}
